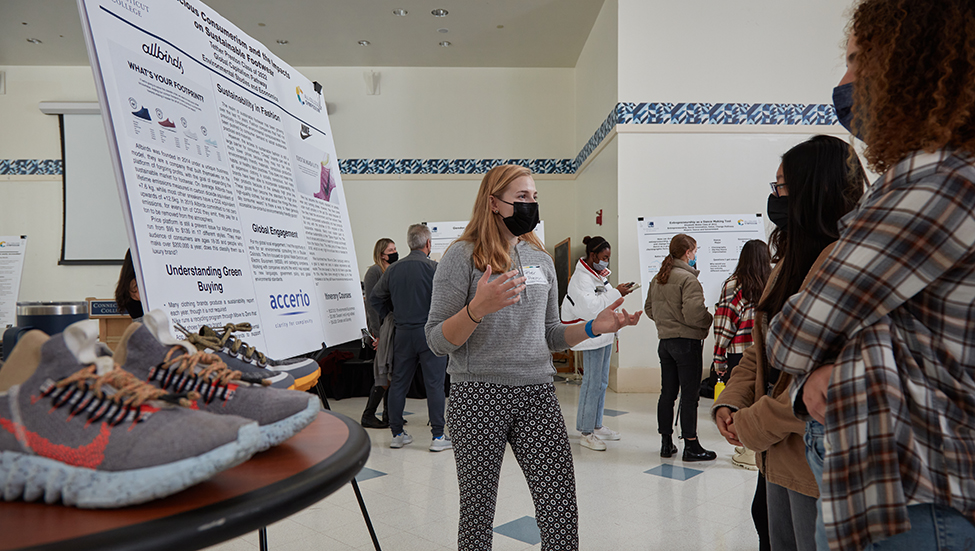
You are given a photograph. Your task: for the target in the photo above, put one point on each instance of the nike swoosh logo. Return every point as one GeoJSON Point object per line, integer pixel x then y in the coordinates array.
{"type": "Point", "coordinates": [88, 456]}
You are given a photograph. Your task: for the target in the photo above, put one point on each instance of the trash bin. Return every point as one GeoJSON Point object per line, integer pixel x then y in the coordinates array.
{"type": "Point", "coordinates": [50, 317]}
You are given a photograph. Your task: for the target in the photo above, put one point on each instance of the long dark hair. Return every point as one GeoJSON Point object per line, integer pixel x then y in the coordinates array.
{"type": "Point", "coordinates": [754, 267]}
{"type": "Point", "coordinates": [679, 245]}
{"type": "Point", "coordinates": [123, 297]}
{"type": "Point", "coordinates": [825, 180]}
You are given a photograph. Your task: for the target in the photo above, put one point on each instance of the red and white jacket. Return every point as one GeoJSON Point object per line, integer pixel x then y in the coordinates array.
{"type": "Point", "coordinates": [588, 294]}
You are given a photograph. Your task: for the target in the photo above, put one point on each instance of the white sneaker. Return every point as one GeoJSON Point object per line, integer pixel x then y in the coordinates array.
{"type": "Point", "coordinates": [440, 444]}
{"type": "Point", "coordinates": [745, 460]}
{"type": "Point", "coordinates": [592, 442]}
{"type": "Point", "coordinates": [739, 449]}
{"type": "Point", "coordinates": [604, 433]}
{"type": "Point", "coordinates": [401, 440]}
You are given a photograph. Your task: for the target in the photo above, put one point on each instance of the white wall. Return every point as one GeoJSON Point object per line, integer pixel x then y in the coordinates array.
{"type": "Point", "coordinates": [450, 113]}
{"type": "Point", "coordinates": [708, 50]}
{"type": "Point", "coordinates": [32, 205]}
{"type": "Point", "coordinates": [596, 74]}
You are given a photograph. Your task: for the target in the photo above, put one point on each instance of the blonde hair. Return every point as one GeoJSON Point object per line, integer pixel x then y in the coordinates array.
{"type": "Point", "coordinates": [379, 249]}
{"type": "Point", "coordinates": [484, 229]}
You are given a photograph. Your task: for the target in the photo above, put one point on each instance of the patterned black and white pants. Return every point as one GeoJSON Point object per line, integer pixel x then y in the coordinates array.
{"type": "Point", "coordinates": [482, 418]}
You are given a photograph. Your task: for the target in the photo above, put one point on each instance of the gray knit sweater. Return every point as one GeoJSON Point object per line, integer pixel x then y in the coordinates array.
{"type": "Point", "coordinates": [511, 346]}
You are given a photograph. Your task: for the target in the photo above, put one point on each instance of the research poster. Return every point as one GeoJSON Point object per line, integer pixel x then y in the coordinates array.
{"type": "Point", "coordinates": [227, 174]}
{"type": "Point", "coordinates": [720, 239]}
{"type": "Point", "coordinates": [13, 249]}
{"type": "Point", "coordinates": [442, 234]}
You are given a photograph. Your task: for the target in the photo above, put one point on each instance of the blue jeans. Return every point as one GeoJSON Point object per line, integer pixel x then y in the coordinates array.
{"type": "Point", "coordinates": [932, 526]}
{"type": "Point", "coordinates": [592, 394]}
{"type": "Point", "coordinates": [816, 457]}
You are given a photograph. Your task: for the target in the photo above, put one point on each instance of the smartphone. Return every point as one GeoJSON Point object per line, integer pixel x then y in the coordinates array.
{"type": "Point", "coordinates": [633, 285]}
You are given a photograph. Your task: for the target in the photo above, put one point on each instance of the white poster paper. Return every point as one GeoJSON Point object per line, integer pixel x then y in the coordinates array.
{"type": "Point", "coordinates": [442, 234]}
{"type": "Point", "coordinates": [227, 174]}
{"type": "Point", "coordinates": [13, 249]}
{"type": "Point", "coordinates": [720, 239]}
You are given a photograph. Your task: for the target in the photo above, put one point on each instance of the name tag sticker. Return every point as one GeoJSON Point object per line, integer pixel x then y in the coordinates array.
{"type": "Point", "coordinates": [534, 275]}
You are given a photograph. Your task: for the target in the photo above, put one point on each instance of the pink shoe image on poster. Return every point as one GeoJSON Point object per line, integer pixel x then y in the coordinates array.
{"type": "Point", "coordinates": [328, 183]}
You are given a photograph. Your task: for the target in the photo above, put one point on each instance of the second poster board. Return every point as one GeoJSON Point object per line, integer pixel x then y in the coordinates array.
{"type": "Point", "coordinates": [719, 242]}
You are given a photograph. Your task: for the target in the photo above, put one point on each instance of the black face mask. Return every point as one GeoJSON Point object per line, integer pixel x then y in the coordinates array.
{"type": "Point", "coordinates": [778, 210]}
{"type": "Point", "coordinates": [843, 103]}
{"type": "Point", "coordinates": [392, 257]}
{"type": "Point", "coordinates": [523, 220]}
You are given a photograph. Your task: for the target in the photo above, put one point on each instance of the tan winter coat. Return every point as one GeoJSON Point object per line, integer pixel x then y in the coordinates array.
{"type": "Point", "coordinates": [765, 423]}
{"type": "Point", "coordinates": [677, 307]}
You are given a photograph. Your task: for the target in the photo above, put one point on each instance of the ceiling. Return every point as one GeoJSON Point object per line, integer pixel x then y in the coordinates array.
{"type": "Point", "coordinates": [325, 33]}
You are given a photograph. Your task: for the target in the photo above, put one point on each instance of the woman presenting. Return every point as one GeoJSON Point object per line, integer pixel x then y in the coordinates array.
{"type": "Point", "coordinates": [588, 294]}
{"type": "Point", "coordinates": [495, 312]}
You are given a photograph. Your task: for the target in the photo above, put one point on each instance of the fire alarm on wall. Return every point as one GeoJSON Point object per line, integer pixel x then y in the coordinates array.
{"type": "Point", "coordinates": [599, 217]}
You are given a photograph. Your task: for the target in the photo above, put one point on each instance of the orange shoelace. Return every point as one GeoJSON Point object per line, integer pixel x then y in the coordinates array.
{"type": "Point", "coordinates": [130, 391]}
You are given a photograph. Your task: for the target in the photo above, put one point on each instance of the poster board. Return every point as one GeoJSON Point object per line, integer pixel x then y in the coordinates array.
{"type": "Point", "coordinates": [720, 239]}
{"type": "Point", "coordinates": [227, 174]}
{"type": "Point", "coordinates": [13, 250]}
{"type": "Point", "coordinates": [563, 266]}
{"type": "Point", "coordinates": [442, 234]}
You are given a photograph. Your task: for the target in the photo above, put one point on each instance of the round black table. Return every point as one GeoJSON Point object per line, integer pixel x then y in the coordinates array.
{"type": "Point", "coordinates": [269, 487]}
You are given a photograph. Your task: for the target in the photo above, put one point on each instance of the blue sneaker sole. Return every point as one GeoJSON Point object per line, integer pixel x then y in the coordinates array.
{"type": "Point", "coordinates": [31, 477]}
{"type": "Point", "coordinates": [277, 432]}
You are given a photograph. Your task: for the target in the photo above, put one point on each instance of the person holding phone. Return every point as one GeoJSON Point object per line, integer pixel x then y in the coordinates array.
{"type": "Point", "coordinates": [590, 292]}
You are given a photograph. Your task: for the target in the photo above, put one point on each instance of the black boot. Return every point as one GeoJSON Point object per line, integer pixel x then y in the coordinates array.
{"type": "Point", "coordinates": [694, 452]}
{"type": "Point", "coordinates": [667, 447]}
{"type": "Point", "coordinates": [369, 419]}
{"type": "Point", "coordinates": [386, 405]}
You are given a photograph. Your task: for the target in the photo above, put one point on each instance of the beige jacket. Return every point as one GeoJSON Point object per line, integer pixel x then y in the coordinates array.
{"type": "Point", "coordinates": [677, 307]}
{"type": "Point", "coordinates": [765, 422]}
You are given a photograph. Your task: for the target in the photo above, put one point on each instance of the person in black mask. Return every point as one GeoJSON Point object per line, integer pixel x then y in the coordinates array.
{"type": "Point", "coordinates": [818, 182]}
{"type": "Point", "coordinates": [383, 254]}
{"type": "Point", "coordinates": [127, 296]}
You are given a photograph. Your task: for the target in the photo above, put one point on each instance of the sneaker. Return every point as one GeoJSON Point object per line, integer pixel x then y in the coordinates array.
{"type": "Point", "coordinates": [745, 459]}
{"type": "Point", "coordinates": [150, 352]}
{"type": "Point", "coordinates": [76, 429]}
{"type": "Point", "coordinates": [241, 356]}
{"type": "Point", "coordinates": [401, 440]}
{"type": "Point", "coordinates": [440, 444]}
{"type": "Point", "coordinates": [604, 433]}
{"type": "Point", "coordinates": [143, 114]}
{"type": "Point", "coordinates": [740, 449]}
{"type": "Point", "coordinates": [592, 442]}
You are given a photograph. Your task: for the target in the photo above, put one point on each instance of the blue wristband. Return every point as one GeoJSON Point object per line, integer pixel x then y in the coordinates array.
{"type": "Point", "coordinates": [589, 329]}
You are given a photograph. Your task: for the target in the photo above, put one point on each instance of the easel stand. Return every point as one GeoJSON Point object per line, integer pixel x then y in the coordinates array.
{"type": "Point", "coordinates": [262, 533]}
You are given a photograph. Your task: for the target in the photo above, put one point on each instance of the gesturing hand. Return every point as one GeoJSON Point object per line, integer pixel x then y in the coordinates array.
{"type": "Point", "coordinates": [492, 296]}
{"type": "Point", "coordinates": [725, 419]}
{"type": "Point", "coordinates": [611, 321]}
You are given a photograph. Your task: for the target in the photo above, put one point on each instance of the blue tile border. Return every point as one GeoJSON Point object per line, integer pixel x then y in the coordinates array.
{"type": "Point", "coordinates": [653, 113]}
{"type": "Point", "coordinates": [31, 167]}
{"type": "Point", "coordinates": [774, 114]}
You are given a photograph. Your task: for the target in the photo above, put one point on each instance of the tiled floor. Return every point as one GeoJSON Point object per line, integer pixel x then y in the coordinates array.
{"type": "Point", "coordinates": [629, 498]}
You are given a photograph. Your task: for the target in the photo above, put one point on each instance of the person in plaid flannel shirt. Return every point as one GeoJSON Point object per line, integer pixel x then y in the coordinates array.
{"type": "Point", "coordinates": [882, 340]}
